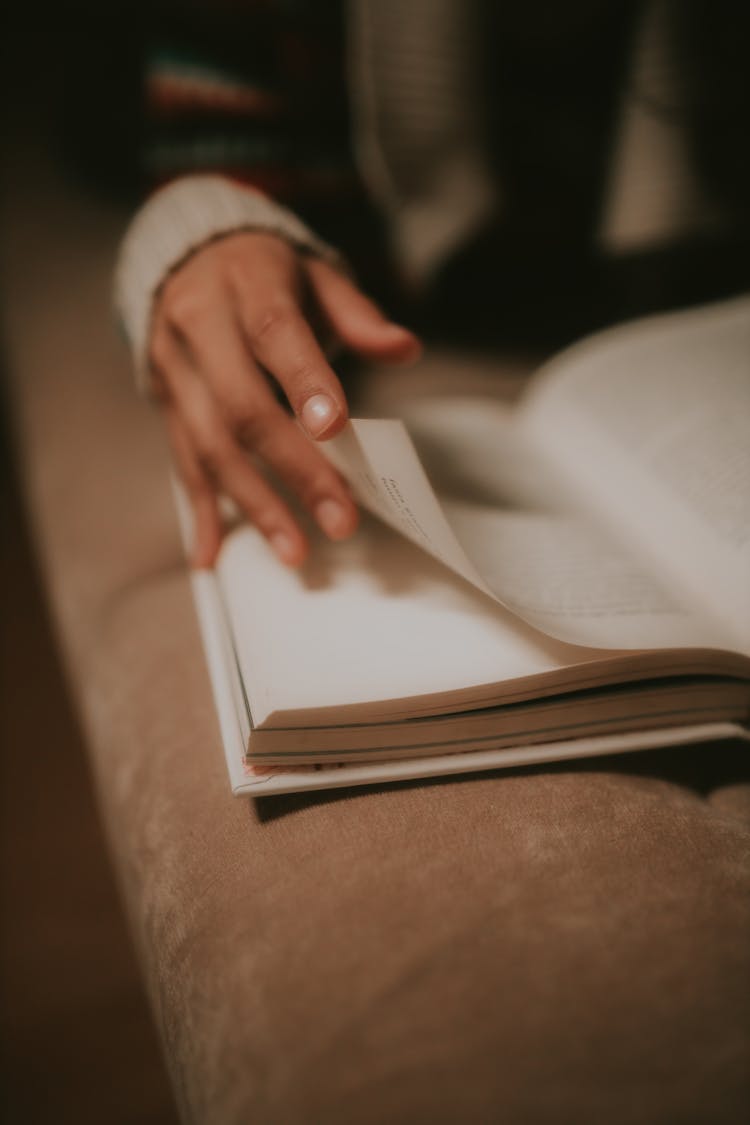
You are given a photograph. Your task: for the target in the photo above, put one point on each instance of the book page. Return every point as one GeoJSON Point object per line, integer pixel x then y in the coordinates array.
{"type": "Point", "coordinates": [566, 578]}
{"type": "Point", "coordinates": [649, 425]}
{"type": "Point", "coordinates": [520, 545]}
{"type": "Point", "coordinates": [380, 463]}
{"type": "Point", "coordinates": [369, 622]}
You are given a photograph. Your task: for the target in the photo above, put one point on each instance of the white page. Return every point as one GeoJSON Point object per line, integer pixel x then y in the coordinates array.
{"type": "Point", "coordinates": [650, 425]}
{"type": "Point", "coordinates": [548, 566]}
{"type": "Point", "coordinates": [472, 450]}
{"type": "Point", "coordinates": [369, 620]}
{"type": "Point", "coordinates": [379, 460]}
{"type": "Point", "coordinates": [560, 574]}
{"type": "Point", "coordinates": [545, 557]}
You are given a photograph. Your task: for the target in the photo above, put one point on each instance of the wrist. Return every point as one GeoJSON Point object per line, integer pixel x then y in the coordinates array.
{"type": "Point", "coordinates": [178, 220]}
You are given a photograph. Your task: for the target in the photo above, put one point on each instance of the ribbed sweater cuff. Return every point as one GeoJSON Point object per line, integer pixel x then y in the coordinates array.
{"type": "Point", "coordinates": [177, 221]}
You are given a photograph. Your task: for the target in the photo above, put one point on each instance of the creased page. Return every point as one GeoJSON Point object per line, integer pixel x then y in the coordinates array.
{"type": "Point", "coordinates": [520, 545]}
{"type": "Point", "coordinates": [563, 576]}
{"type": "Point", "coordinates": [367, 623]}
{"type": "Point", "coordinates": [378, 458]}
{"type": "Point", "coordinates": [525, 532]}
{"type": "Point", "coordinates": [649, 424]}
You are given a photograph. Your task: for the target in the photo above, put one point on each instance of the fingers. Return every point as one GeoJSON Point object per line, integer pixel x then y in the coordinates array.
{"type": "Point", "coordinates": [226, 320]}
{"type": "Point", "coordinates": [228, 401]}
{"type": "Point", "coordinates": [222, 463]}
{"type": "Point", "coordinates": [356, 320]}
{"type": "Point", "coordinates": [280, 339]}
{"type": "Point", "coordinates": [252, 415]}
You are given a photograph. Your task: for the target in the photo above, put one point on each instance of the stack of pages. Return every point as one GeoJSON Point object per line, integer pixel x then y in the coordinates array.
{"type": "Point", "coordinates": [566, 577]}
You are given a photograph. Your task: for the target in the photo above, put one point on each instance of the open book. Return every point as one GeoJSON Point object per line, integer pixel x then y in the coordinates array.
{"type": "Point", "coordinates": [568, 576]}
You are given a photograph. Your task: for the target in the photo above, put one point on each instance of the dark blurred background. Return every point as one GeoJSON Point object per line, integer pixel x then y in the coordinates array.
{"type": "Point", "coordinates": [78, 1044]}
{"type": "Point", "coordinates": [77, 1040]}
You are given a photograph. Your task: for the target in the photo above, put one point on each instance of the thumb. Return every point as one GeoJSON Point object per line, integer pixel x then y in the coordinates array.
{"type": "Point", "coordinates": [356, 320]}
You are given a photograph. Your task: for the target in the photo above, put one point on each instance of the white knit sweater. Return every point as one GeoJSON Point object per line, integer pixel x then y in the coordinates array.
{"type": "Point", "coordinates": [420, 143]}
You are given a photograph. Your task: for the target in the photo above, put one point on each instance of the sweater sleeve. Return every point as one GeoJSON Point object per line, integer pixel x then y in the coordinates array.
{"type": "Point", "coordinates": [180, 218]}
{"type": "Point", "coordinates": [246, 128]}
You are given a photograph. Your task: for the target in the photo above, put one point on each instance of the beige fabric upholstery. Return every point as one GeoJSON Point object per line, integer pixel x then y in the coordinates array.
{"type": "Point", "coordinates": [548, 945]}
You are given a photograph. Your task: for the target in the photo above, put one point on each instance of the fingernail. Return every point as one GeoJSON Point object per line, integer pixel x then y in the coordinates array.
{"type": "Point", "coordinates": [333, 517]}
{"type": "Point", "coordinates": [318, 413]}
{"type": "Point", "coordinates": [284, 546]}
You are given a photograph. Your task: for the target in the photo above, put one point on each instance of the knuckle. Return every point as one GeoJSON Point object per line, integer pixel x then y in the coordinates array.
{"type": "Point", "coordinates": [214, 453]}
{"type": "Point", "coordinates": [269, 321]}
{"type": "Point", "coordinates": [312, 482]}
{"type": "Point", "coordinates": [184, 308]}
{"type": "Point", "coordinates": [303, 376]}
{"type": "Point", "coordinates": [321, 486]}
{"type": "Point", "coordinates": [251, 424]}
{"type": "Point", "coordinates": [236, 273]}
{"type": "Point", "coordinates": [263, 508]}
{"type": "Point", "coordinates": [268, 515]}
{"type": "Point", "coordinates": [252, 257]}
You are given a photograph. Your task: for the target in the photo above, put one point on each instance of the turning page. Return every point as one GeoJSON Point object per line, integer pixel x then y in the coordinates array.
{"type": "Point", "coordinates": [518, 538]}
{"type": "Point", "coordinates": [649, 425]}
{"type": "Point", "coordinates": [374, 629]}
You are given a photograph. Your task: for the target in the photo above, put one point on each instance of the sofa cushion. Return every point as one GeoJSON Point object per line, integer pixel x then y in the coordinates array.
{"type": "Point", "coordinates": [551, 944]}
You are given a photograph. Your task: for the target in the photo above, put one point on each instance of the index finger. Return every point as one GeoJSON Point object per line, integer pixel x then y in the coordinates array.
{"type": "Point", "coordinates": [283, 342]}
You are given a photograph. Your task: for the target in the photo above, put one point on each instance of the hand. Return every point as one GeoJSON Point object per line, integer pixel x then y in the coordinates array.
{"type": "Point", "coordinates": [237, 313]}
